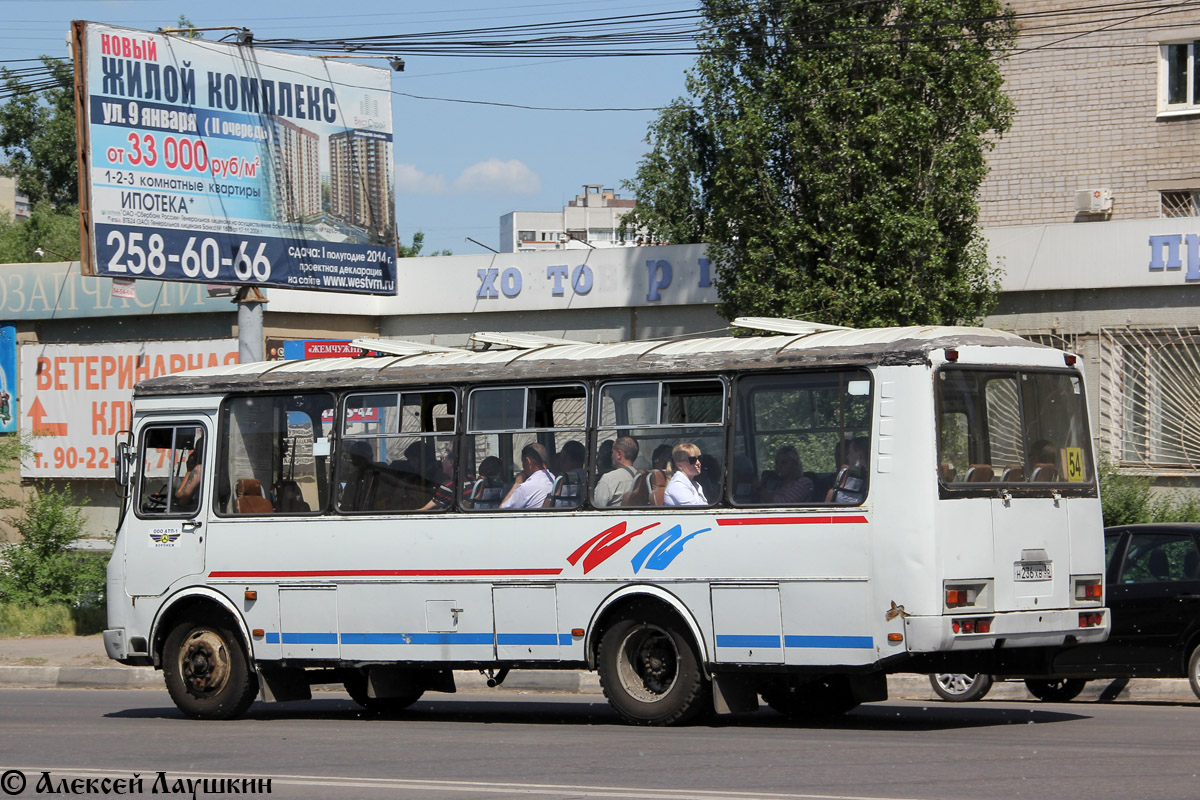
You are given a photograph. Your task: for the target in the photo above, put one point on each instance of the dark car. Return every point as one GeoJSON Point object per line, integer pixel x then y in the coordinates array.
{"type": "Point", "coordinates": [1153, 594]}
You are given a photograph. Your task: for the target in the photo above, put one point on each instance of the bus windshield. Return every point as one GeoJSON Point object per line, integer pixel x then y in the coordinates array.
{"type": "Point", "coordinates": [1016, 427]}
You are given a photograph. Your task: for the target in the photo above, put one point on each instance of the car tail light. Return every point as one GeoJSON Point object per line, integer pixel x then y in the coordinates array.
{"type": "Point", "coordinates": [1091, 619]}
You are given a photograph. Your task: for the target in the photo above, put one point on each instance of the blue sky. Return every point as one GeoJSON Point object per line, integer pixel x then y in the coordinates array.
{"type": "Point", "coordinates": [459, 166]}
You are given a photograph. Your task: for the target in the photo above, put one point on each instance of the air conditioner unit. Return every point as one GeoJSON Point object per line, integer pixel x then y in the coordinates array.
{"type": "Point", "coordinates": [1093, 201]}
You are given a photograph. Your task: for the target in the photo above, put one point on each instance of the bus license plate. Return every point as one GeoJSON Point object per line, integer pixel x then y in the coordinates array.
{"type": "Point", "coordinates": [1031, 571]}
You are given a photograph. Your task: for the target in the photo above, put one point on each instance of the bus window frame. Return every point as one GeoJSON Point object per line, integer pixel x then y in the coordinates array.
{"type": "Point", "coordinates": [174, 424]}
{"type": "Point", "coordinates": [736, 410]}
{"type": "Point", "coordinates": [586, 433]}
{"type": "Point", "coordinates": [997, 489]}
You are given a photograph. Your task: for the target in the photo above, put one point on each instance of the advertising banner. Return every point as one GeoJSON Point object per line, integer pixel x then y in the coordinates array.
{"type": "Point", "coordinates": [76, 397]}
{"type": "Point", "coordinates": [224, 163]}
{"type": "Point", "coordinates": [8, 379]}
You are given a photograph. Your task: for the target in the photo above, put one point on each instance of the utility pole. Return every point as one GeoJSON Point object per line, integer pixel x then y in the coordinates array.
{"type": "Point", "coordinates": [250, 301]}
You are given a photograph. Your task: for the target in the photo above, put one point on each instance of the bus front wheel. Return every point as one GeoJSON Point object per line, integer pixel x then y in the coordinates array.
{"type": "Point", "coordinates": [650, 672]}
{"type": "Point", "coordinates": [207, 672]}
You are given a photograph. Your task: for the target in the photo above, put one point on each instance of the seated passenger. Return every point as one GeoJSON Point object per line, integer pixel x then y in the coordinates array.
{"type": "Point", "coordinates": [534, 481]}
{"type": "Point", "coordinates": [794, 487]}
{"type": "Point", "coordinates": [619, 479]}
{"type": "Point", "coordinates": [850, 487]}
{"type": "Point", "coordinates": [684, 488]}
{"type": "Point", "coordinates": [291, 499]}
{"type": "Point", "coordinates": [443, 493]}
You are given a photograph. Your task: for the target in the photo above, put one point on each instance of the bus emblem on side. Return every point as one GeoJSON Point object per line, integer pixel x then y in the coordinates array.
{"type": "Point", "coordinates": [163, 536]}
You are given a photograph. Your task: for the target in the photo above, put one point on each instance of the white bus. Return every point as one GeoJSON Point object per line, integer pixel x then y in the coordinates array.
{"type": "Point", "coordinates": [702, 522]}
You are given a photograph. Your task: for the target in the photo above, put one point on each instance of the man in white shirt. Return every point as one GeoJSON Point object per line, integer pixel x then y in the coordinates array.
{"type": "Point", "coordinates": [619, 480]}
{"type": "Point", "coordinates": [684, 489]}
{"type": "Point", "coordinates": [534, 481]}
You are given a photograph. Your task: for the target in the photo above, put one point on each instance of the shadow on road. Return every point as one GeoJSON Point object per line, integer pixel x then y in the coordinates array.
{"type": "Point", "coordinates": [479, 709]}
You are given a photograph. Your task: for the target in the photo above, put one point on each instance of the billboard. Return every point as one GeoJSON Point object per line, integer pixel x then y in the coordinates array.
{"type": "Point", "coordinates": [8, 379]}
{"type": "Point", "coordinates": [222, 163]}
{"type": "Point", "coordinates": [75, 398]}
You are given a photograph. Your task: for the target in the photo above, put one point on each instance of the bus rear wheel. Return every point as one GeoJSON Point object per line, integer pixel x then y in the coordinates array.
{"type": "Point", "coordinates": [207, 671]}
{"type": "Point", "coordinates": [1060, 690]}
{"type": "Point", "coordinates": [356, 687]}
{"type": "Point", "coordinates": [830, 696]}
{"type": "Point", "coordinates": [650, 672]}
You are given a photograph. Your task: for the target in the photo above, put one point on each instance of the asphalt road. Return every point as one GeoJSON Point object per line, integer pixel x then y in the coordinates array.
{"type": "Point", "coordinates": [571, 746]}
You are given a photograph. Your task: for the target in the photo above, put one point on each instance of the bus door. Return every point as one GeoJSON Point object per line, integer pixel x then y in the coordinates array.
{"type": "Point", "coordinates": [526, 619]}
{"type": "Point", "coordinates": [164, 537]}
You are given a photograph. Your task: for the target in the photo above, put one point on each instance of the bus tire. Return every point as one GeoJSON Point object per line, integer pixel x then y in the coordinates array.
{"type": "Point", "coordinates": [650, 672]}
{"type": "Point", "coordinates": [830, 696]}
{"type": "Point", "coordinates": [961, 687]}
{"type": "Point", "coordinates": [356, 687]}
{"type": "Point", "coordinates": [207, 671]}
{"type": "Point", "coordinates": [1055, 690]}
{"type": "Point", "coordinates": [1194, 670]}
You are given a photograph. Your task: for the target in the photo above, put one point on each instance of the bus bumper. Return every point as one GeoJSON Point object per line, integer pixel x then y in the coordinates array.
{"type": "Point", "coordinates": [1006, 629]}
{"type": "Point", "coordinates": [125, 649]}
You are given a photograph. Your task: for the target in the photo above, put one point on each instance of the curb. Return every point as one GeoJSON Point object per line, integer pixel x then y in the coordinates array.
{"type": "Point", "coordinates": [900, 687]}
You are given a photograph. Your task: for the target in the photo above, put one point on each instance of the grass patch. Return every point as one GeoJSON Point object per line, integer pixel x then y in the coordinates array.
{"type": "Point", "coordinates": [58, 619]}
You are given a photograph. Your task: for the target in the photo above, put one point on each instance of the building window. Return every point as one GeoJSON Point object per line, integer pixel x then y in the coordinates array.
{"type": "Point", "coordinates": [1181, 203]}
{"type": "Point", "coordinates": [527, 236]}
{"type": "Point", "coordinates": [1178, 77]}
{"type": "Point", "coordinates": [1150, 378]}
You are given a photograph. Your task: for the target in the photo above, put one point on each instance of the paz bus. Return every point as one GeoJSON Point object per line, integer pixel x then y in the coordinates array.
{"type": "Point", "coordinates": [854, 503]}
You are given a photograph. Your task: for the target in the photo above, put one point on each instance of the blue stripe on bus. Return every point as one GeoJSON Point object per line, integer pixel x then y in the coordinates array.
{"type": "Point", "coordinates": [844, 642]}
{"type": "Point", "coordinates": [417, 638]}
{"type": "Point", "coordinates": [527, 638]}
{"type": "Point", "coordinates": [309, 638]}
{"type": "Point", "coordinates": [747, 640]}
{"type": "Point", "coordinates": [565, 638]}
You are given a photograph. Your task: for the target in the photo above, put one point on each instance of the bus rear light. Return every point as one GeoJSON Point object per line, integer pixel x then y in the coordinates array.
{"type": "Point", "coordinates": [1091, 619]}
{"type": "Point", "coordinates": [1089, 589]}
{"type": "Point", "coordinates": [974, 625]}
{"type": "Point", "coordinates": [951, 354]}
{"type": "Point", "coordinates": [1070, 358]}
{"type": "Point", "coordinates": [956, 597]}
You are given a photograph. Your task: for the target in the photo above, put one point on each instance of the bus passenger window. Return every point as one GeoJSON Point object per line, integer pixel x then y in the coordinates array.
{"type": "Point", "coordinates": [524, 448]}
{"type": "Point", "coordinates": [640, 426]}
{"type": "Point", "coordinates": [398, 452]}
{"type": "Point", "coordinates": [802, 439]}
{"type": "Point", "coordinates": [269, 461]}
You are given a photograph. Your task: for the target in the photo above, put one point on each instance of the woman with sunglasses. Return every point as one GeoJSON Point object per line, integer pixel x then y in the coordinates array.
{"type": "Point", "coordinates": [684, 489]}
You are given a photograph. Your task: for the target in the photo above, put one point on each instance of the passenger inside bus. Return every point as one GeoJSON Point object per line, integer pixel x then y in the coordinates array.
{"type": "Point", "coordinates": [617, 482]}
{"type": "Point", "coordinates": [794, 486]}
{"type": "Point", "coordinates": [443, 493]}
{"type": "Point", "coordinates": [534, 482]}
{"type": "Point", "coordinates": [850, 485]}
{"type": "Point", "coordinates": [356, 477]}
{"type": "Point", "coordinates": [684, 488]}
{"type": "Point", "coordinates": [488, 490]}
{"type": "Point", "coordinates": [291, 499]}
{"type": "Point", "coordinates": [567, 491]}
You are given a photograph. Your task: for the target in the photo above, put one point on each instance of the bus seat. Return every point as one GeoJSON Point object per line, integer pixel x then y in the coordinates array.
{"type": "Point", "coordinates": [1045, 473]}
{"type": "Point", "coordinates": [980, 473]}
{"type": "Point", "coordinates": [1013, 474]}
{"type": "Point", "coordinates": [565, 493]}
{"type": "Point", "coordinates": [487, 493]}
{"type": "Point", "coordinates": [657, 480]}
{"type": "Point", "coordinates": [946, 470]}
{"type": "Point", "coordinates": [249, 498]}
{"type": "Point", "coordinates": [639, 493]}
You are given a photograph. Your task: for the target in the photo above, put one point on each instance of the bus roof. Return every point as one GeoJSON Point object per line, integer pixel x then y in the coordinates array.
{"type": "Point", "coordinates": [843, 347]}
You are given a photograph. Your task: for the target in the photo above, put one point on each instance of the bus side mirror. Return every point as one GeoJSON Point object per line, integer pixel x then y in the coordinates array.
{"type": "Point", "coordinates": [123, 464]}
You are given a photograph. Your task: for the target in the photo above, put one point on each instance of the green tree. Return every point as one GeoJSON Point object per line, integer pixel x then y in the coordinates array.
{"type": "Point", "coordinates": [56, 230]}
{"type": "Point", "coordinates": [414, 250]}
{"type": "Point", "coordinates": [830, 155]}
{"type": "Point", "coordinates": [41, 569]}
{"type": "Point", "coordinates": [37, 134]}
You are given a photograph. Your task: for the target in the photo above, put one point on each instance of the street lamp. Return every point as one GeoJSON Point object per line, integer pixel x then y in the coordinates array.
{"type": "Point", "coordinates": [41, 251]}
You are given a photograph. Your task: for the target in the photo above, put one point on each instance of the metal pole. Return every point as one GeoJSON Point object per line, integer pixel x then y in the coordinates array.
{"type": "Point", "coordinates": [250, 303]}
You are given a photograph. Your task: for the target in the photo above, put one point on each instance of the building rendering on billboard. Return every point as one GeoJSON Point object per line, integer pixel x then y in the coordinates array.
{"type": "Point", "coordinates": [223, 163]}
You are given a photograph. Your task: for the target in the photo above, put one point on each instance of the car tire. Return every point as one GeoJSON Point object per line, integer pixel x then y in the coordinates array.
{"type": "Point", "coordinates": [1194, 670]}
{"type": "Point", "coordinates": [356, 687]}
{"type": "Point", "coordinates": [961, 687]}
{"type": "Point", "coordinates": [1055, 690]}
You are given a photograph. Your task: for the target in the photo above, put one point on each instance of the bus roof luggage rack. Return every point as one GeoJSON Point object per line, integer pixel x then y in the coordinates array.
{"type": "Point", "coordinates": [520, 341]}
{"type": "Point", "coordinates": [798, 327]}
{"type": "Point", "coordinates": [400, 347]}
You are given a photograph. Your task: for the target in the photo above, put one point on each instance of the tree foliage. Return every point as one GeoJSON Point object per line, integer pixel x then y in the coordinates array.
{"type": "Point", "coordinates": [37, 136]}
{"type": "Point", "coordinates": [55, 230]}
{"type": "Point", "coordinates": [830, 154]}
{"type": "Point", "coordinates": [41, 569]}
{"type": "Point", "coordinates": [414, 250]}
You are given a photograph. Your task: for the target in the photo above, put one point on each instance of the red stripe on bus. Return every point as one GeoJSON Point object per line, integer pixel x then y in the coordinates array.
{"type": "Point", "coordinates": [834, 520]}
{"type": "Point", "coordinates": [371, 573]}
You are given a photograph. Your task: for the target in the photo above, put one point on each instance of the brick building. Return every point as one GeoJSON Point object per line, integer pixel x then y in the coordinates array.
{"type": "Point", "coordinates": [1091, 211]}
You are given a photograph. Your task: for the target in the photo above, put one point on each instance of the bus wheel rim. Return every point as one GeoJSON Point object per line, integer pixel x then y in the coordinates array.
{"type": "Point", "coordinates": [648, 667]}
{"type": "Point", "coordinates": [204, 663]}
